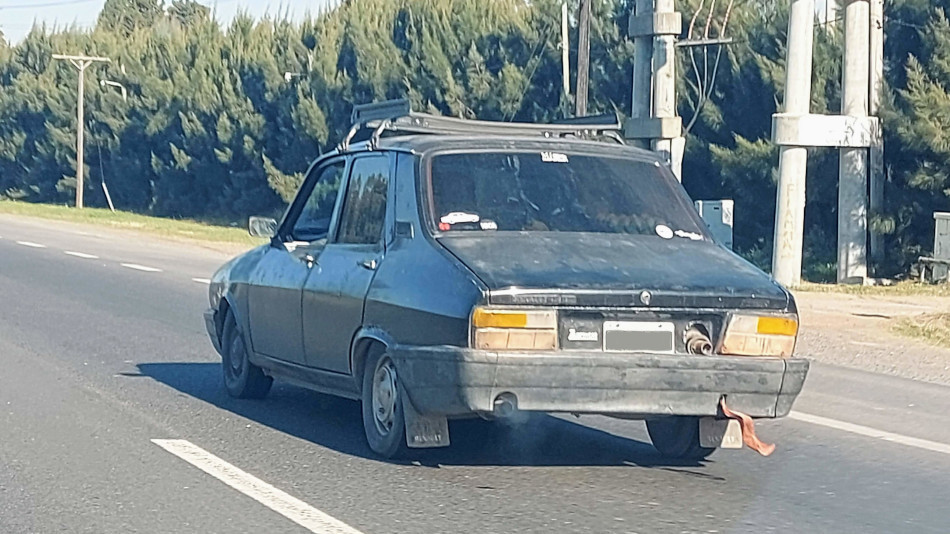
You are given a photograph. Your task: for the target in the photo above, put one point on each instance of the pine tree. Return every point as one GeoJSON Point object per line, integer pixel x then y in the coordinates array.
{"type": "Point", "coordinates": [127, 16]}
{"type": "Point", "coordinates": [188, 12]}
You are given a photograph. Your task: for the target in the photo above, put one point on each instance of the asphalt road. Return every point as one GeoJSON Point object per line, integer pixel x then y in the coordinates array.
{"type": "Point", "coordinates": [98, 359]}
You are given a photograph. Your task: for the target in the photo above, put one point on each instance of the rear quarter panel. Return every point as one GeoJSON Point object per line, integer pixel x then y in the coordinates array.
{"type": "Point", "coordinates": [421, 295]}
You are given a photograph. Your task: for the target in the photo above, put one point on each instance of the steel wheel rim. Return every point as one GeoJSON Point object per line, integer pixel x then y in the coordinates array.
{"type": "Point", "coordinates": [384, 396]}
{"type": "Point", "coordinates": [235, 366]}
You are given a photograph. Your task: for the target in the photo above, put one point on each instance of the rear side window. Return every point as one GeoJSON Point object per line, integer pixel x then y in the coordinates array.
{"type": "Point", "coordinates": [556, 192]}
{"type": "Point", "coordinates": [364, 208]}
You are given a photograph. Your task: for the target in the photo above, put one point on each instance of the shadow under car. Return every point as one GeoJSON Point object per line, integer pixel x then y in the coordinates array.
{"type": "Point", "coordinates": [332, 422]}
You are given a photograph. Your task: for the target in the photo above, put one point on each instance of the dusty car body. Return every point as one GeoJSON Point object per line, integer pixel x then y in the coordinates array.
{"type": "Point", "coordinates": [438, 274]}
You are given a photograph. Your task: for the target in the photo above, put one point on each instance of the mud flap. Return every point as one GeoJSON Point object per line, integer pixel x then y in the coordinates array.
{"type": "Point", "coordinates": [725, 433]}
{"type": "Point", "coordinates": [425, 431]}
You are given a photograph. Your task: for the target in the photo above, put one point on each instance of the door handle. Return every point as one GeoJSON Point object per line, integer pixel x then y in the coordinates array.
{"type": "Point", "coordinates": [368, 264]}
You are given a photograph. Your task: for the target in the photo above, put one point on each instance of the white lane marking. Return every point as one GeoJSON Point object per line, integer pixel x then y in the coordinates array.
{"type": "Point", "coordinates": [138, 267]}
{"type": "Point", "coordinates": [30, 244]}
{"type": "Point", "coordinates": [82, 255]}
{"type": "Point", "coordinates": [284, 504]}
{"type": "Point", "coordinates": [872, 432]}
{"type": "Point", "coordinates": [201, 281]}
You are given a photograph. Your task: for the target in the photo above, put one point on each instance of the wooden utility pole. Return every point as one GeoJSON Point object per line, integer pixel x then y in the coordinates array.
{"type": "Point", "coordinates": [874, 109]}
{"type": "Point", "coordinates": [583, 60]}
{"type": "Point", "coordinates": [565, 52]}
{"type": "Point", "coordinates": [81, 63]}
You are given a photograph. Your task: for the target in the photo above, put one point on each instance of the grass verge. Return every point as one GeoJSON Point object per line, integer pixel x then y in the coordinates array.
{"type": "Point", "coordinates": [176, 229]}
{"type": "Point", "coordinates": [905, 288]}
{"type": "Point", "coordinates": [933, 328]}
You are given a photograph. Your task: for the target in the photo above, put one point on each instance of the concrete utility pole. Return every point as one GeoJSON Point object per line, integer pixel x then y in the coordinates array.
{"type": "Point", "coordinates": [853, 132]}
{"type": "Point", "coordinates": [642, 106]}
{"type": "Point", "coordinates": [654, 123]}
{"type": "Point", "coordinates": [853, 161]}
{"type": "Point", "coordinates": [583, 60]}
{"type": "Point", "coordinates": [81, 63]}
{"type": "Point", "coordinates": [793, 159]}
{"type": "Point", "coordinates": [664, 88]}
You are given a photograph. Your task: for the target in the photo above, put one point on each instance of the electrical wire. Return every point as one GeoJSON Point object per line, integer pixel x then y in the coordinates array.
{"type": "Point", "coordinates": [46, 4]}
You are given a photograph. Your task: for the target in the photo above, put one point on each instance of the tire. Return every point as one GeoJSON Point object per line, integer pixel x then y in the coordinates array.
{"type": "Point", "coordinates": [384, 420]}
{"type": "Point", "coordinates": [242, 379]}
{"type": "Point", "coordinates": [678, 437]}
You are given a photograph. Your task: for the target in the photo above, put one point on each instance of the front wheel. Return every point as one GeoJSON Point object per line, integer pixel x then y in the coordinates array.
{"type": "Point", "coordinates": [242, 379]}
{"type": "Point", "coordinates": [384, 421]}
{"type": "Point", "coordinates": [678, 437]}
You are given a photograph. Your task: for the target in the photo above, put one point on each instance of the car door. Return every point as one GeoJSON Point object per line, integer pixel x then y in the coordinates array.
{"type": "Point", "coordinates": [335, 293]}
{"type": "Point", "coordinates": [276, 289]}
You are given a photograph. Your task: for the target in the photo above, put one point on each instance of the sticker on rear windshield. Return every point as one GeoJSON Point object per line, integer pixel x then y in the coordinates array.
{"type": "Point", "coordinates": [664, 231]}
{"type": "Point", "coordinates": [553, 157]}
{"type": "Point", "coordinates": [488, 224]}
{"type": "Point", "coordinates": [460, 217]}
{"type": "Point", "coordinates": [689, 235]}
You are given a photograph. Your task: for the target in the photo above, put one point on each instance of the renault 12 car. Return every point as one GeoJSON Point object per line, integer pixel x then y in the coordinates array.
{"type": "Point", "coordinates": [436, 268]}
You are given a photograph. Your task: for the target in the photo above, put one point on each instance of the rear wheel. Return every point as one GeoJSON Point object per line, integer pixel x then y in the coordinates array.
{"type": "Point", "coordinates": [678, 437]}
{"type": "Point", "coordinates": [384, 421]}
{"type": "Point", "coordinates": [242, 379]}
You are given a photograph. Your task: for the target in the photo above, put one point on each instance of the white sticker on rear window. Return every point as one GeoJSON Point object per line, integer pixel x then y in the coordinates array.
{"type": "Point", "coordinates": [664, 231]}
{"type": "Point", "coordinates": [459, 217]}
{"type": "Point", "coordinates": [488, 225]}
{"type": "Point", "coordinates": [689, 235]}
{"type": "Point", "coordinates": [553, 157]}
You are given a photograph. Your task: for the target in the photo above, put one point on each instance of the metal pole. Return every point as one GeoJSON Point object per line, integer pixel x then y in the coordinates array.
{"type": "Point", "coordinates": [790, 196]}
{"type": "Point", "coordinates": [105, 189]}
{"type": "Point", "coordinates": [565, 52]}
{"type": "Point", "coordinates": [583, 60]}
{"type": "Point", "coordinates": [664, 86]}
{"type": "Point", "coordinates": [874, 109]}
{"type": "Point", "coordinates": [853, 162]}
{"type": "Point", "coordinates": [642, 104]}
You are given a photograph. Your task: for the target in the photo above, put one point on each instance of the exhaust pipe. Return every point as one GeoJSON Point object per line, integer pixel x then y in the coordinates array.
{"type": "Point", "coordinates": [505, 405]}
{"type": "Point", "coordinates": [697, 341]}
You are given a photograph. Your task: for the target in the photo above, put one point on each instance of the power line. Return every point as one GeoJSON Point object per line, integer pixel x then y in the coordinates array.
{"type": "Point", "coordinates": [47, 4]}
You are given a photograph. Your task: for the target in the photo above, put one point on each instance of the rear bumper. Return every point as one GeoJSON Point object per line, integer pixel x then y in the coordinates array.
{"type": "Point", "coordinates": [454, 381]}
{"type": "Point", "coordinates": [212, 328]}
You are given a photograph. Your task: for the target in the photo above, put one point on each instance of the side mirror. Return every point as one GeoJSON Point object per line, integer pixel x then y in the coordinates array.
{"type": "Point", "coordinates": [262, 227]}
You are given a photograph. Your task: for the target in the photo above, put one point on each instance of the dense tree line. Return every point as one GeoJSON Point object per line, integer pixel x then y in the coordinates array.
{"type": "Point", "coordinates": [220, 123]}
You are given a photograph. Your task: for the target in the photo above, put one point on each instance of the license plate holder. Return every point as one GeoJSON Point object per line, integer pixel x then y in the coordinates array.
{"type": "Point", "coordinates": [639, 336]}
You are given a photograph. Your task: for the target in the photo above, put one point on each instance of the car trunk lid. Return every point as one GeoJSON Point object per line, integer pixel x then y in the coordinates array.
{"type": "Point", "coordinates": [612, 270]}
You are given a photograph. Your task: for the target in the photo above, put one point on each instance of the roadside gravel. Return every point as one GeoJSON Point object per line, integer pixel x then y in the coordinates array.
{"type": "Point", "coordinates": [857, 331]}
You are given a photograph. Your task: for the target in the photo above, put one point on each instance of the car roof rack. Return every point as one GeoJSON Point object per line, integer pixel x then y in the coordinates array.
{"type": "Point", "coordinates": [397, 116]}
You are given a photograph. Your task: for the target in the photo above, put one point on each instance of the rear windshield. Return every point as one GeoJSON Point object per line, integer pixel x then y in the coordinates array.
{"type": "Point", "coordinates": [557, 192]}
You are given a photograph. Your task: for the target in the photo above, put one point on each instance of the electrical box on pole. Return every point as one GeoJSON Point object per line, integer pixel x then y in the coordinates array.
{"type": "Point", "coordinates": [719, 217]}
